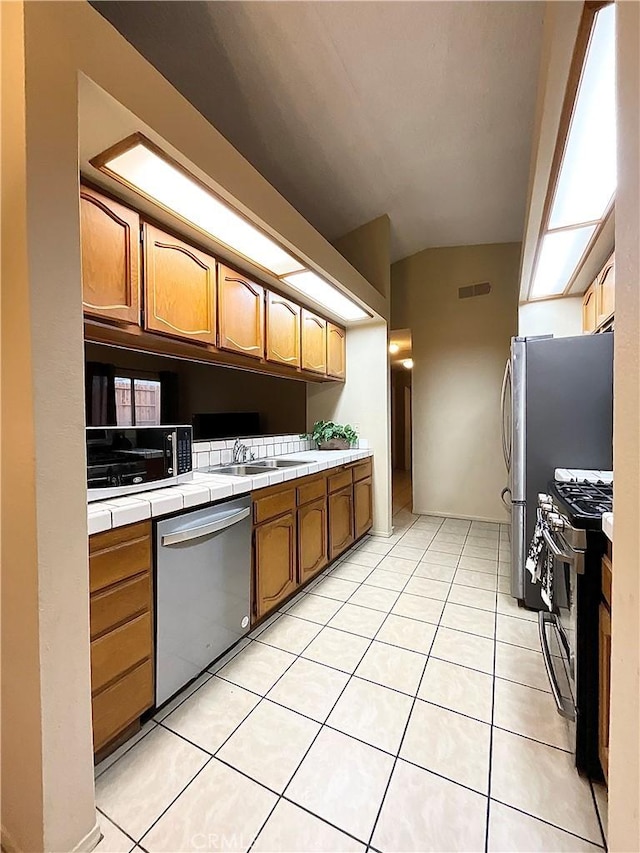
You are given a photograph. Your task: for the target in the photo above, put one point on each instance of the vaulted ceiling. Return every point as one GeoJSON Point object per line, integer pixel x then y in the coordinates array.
{"type": "Point", "coordinates": [422, 110]}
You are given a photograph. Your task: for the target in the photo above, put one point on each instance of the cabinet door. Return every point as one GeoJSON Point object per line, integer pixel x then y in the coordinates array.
{"type": "Point", "coordinates": [110, 245]}
{"type": "Point", "coordinates": [313, 552]}
{"type": "Point", "coordinates": [283, 330]}
{"type": "Point", "coordinates": [240, 314]}
{"type": "Point", "coordinates": [589, 312]}
{"type": "Point", "coordinates": [604, 678]}
{"type": "Point", "coordinates": [336, 351]}
{"type": "Point", "coordinates": [275, 562]}
{"type": "Point", "coordinates": [606, 291]}
{"type": "Point", "coordinates": [179, 288]}
{"type": "Point", "coordinates": [363, 506]}
{"type": "Point", "coordinates": [340, 521]}
{"type": "Point", "coordinates": [314, 342]}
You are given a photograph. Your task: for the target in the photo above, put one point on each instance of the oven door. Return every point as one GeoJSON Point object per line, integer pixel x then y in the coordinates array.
{"type": "Point", "coordinates": [557, 627]}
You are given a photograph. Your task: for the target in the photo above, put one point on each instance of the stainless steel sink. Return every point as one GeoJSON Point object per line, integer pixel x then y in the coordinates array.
{"type": "Point", "coordinates": [240, 470]}
{"type": "Point", "coordinates": [281, 463]}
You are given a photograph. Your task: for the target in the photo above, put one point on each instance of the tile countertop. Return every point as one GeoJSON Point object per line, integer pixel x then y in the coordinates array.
{"type": "Point", "coordinates": [607, 525]}
{"type": "Point", "coordinates": [206, 488]}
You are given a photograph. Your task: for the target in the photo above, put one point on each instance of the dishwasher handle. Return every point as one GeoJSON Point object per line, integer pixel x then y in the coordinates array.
{"type": "Point", "coordinates": [205, 529]}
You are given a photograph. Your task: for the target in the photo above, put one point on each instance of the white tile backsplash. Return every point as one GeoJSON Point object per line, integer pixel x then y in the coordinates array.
{"type": "Point", "coordinates": [206, 453]}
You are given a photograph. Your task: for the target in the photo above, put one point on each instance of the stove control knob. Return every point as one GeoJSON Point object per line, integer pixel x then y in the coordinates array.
{"type": "Point", "coordinates": [545, 502]}
{"type": "Point", "coordinates": [556, 521]}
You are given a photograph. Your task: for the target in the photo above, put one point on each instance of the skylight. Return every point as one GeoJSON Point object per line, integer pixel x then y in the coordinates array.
{"type": "Point", "coordinates": [586, 181]}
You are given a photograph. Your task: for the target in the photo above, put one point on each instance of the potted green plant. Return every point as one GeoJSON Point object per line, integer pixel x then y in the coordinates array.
{"type": "Point", "coordinates": [330, 436]}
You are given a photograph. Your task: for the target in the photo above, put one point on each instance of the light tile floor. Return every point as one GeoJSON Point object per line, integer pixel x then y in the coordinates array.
{"type": "Point", "coordinates": [399, 703]}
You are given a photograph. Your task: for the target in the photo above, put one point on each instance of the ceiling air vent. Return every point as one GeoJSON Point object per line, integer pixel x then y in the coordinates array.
{"type": "Point", "coordinates": [471, 290]}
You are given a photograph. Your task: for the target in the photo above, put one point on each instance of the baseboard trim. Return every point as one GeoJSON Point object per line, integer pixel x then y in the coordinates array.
{"type": "Point", "coordinates": [461, 517]}
{"type": "Point", "coordinates": [385, 533]}
{"type": "Point", "coordinates": [85, 845]}
{"type": "Point", "coordinates": [90, 841]}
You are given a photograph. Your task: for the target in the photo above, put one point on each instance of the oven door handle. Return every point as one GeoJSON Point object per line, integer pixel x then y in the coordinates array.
{"type": "Point", "coordinates": [575, 558]}
{"type": "Point", "coordinates": [563, 705]}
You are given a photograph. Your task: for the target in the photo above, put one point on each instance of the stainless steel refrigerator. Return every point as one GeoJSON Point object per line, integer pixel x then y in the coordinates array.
{"type": "Point", "coordinates": [557, 412]}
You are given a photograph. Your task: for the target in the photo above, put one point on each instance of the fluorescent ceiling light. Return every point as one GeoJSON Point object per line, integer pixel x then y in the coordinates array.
{"type": "Point", "coordinates": [393, 348]}
{"type": "Point", "coordinates": [145, 169]}
{"type": "Point", "coordinates": [408, 363]}
{"type": "Point", "coordinates": [560, 254]}
{"type": "Point", "coordinates": [325, 294]}
{"type": "Point", "coordinates": [587, 179]}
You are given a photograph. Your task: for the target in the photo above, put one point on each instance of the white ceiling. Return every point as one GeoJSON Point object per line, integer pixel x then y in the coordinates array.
{"type": "Point", "coordinates": [422, 110]}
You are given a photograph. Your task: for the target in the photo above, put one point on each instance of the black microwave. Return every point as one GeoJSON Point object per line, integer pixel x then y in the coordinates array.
{"type": "Point", "coordinates": [126, 460]}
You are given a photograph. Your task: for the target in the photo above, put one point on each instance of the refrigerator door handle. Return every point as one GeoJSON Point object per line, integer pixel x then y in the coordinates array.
{"type": "Point", "coordinates": [506, 450]}
{"type": "Point", "coordinates": [503, 493]}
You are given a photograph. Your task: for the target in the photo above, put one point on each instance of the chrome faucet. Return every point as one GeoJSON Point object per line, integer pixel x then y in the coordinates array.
{"type": "Point", "coordinates": [241, 452]}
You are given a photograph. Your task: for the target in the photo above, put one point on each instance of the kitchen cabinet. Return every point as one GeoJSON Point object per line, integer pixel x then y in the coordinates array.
{"type": "Point", "coordinates": [589, 310]}
{"type": "Point", "coordinates": [341, 535]}
{"type": "Point", "coordinates": [313, 552]}
{"type": "Point", "coordinates": [274, 562]}
{"type": "Point", "coordinates": [283, 330]}
{"type": "Point", "coordinates": [336, 351]}
{"type": "Point", "coordinates": [606, 291]}
{"type": "Point", "coordinates": [110, 249]}
{"type": "Point", "coordinates": [121, 629]}
{"type": "Point", "coordinates": [179, 288]}
{"type": "Point", "coordinates": [240, 314]}
{"type": "Point", "coordinates": [314, 342]}
{"type": "Point", "coordinates": [362, 507]}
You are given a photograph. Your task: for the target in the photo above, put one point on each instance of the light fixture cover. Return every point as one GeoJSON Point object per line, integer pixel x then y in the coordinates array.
{"type": "Point", "coordinates": [408, 363]}
{"type": "Point", "coordinates": [325, 294]}
{"type": "Point", "coordinates": [149, 171]}
{"type": "Point", "coordinates": [587, 180]}
{"type": "Point", "coordinates": [560, 254]}
{"type": "Point", "coordinates": [393, 348]}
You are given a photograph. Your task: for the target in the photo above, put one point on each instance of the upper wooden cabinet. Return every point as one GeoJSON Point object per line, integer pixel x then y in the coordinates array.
{"type": "Point", "coordinates": [589, 310]}
{"type": "Point", "coordinates": [110, 258]}
{"type": "Point", "coordinates": [283, 330]}
{"type": "Point", "coordinates": [240, 314]}
{"type": "Point", "coordinates": [314, 342]}
{"type": "Point", "coordinates": [179, 288]}
{"type": "Point", "coordinates": [606, 291]}
{"type": "Point", "coordinates": [336, 351]}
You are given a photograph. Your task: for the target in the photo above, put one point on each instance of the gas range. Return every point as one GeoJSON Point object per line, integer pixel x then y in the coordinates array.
{"type": "Point", "coordinates": [584, 503]}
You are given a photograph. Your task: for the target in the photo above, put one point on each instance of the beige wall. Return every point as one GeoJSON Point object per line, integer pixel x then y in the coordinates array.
{"type": "Point", "coordinates": [282, 403]}
{"type": "Point", "coordinates": [365, 398]}
{"type": "Point", "coordinates": [624, 756]}
{"type": "Point", "coordinates": [47, 768]}
{"type": "Point", "coordinates": [367, 248]}
{"type": "Point", "coordinates": [460, 348]}
{"type": "Point", "coordinates": [558, 317]}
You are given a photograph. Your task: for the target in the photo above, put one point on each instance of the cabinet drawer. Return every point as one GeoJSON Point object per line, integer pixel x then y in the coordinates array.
{"type": "Point", "coordinates": [118, 554]}
{"type": "Point", "coordinates": [120, 603]}
{"type": "Point", "coordinates": [272, 506]}
{"type": "Point", "coordinates": [362, 471]}
{"type": "Point", "coordinates": [311, 491]}
{"type": "Point", "coordinates": [339, 481]}
{"type": "Point", "coordinates": [119, 650]}
{"type": "Point", "coordinates": [121, 703]}
{"type": "Point", "coordinates": [606, 579]}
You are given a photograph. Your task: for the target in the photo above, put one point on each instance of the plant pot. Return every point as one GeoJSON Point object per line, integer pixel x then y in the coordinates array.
{"type": "Point", "coordinates": [334, 444]}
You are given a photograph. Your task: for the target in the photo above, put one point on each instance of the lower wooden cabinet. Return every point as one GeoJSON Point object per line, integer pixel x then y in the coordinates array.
{"type": "Point", "coordinates": [274, 548]}
{"type": "Point", "coordinates": [604, 675]}
{"type": "Point", "coordinates": [302, 526]}
{"type": "Point", "coordinates": [340, 521]}
{"type": "Point", "coordinates": [121, 627]}
{"type": "Point", "coordinates": [362, 506]}
{"type": "Point", "coordinates": [313, 551]}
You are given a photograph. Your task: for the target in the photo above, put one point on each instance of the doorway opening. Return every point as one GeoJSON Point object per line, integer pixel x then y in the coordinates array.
{"type": "Point", "coordinates": [401, 417]}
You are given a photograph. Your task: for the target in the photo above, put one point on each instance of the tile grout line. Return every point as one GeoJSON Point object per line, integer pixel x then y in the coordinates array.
{"type": "Point", "coordinates": [491, 730]}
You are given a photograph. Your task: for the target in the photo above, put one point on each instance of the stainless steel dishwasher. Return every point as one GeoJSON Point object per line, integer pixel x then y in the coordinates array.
{"type": "Point", "coordinates": [203, 590]}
